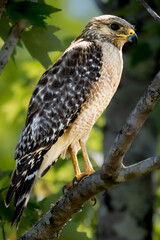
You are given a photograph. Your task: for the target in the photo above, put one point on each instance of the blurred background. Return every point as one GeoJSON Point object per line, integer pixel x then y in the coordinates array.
{"type": "Point", "coordinates": [130, 211]}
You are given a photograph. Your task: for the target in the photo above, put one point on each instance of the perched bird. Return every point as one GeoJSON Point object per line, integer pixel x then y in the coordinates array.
{"type": "Point", "coordinates": [67, 101]}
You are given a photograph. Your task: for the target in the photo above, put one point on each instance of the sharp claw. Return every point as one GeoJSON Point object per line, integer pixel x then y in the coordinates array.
{"type": "Point", "coordinates": [63, 189]}
{"type": "Point", "coordinates": [94, 200]}
{"type": "Point", "coordinates": [67, 187]}
{"type": "Point", "coordinates": [74, 181]}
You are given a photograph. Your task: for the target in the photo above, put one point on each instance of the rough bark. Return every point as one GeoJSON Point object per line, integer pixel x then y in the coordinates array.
{"type": "Point", "coordinates": [11, 42]}
{"type": "Point", "coordinates": [14, 36]}
{"type": "Point", "coordinates": [71, 202]}
{"type": "Point", "coordinates": [126, 211]}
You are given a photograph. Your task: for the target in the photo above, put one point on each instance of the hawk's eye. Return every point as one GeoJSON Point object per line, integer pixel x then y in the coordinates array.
{"type": "Point", "coordinates": [114, 26]}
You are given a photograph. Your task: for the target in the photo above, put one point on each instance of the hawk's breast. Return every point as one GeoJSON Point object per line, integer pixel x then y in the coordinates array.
{"type": "Point", "coordinates": [100, 95]}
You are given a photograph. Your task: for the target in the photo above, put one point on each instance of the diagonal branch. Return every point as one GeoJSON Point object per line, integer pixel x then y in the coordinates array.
{"type": "Point", "coordinates": [11, 42]}
{"type": "Point", "coordinates": [72, 202]}
{"type": "Point", "coordinates": [150, 10]}
{"type": "Point", "coordinates": [132, 126]}
{"type": "Point", "coordinates": [61, 212]}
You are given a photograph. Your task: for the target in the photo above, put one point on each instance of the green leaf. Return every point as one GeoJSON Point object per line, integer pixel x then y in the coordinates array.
{"type": "Point", "coordinates": [6, 213]}
{"type": "Point", "coordinates": [70, 232]}
{"type": "Point", "coordinates": [34, 12]}
{"type": "Point", "coordinates": [40, 41]}
{"type": "Point", "coordinates": [4, 174]}
{"type": "Point", "coordinates": [4, 27]}
{"type": "Point", "coordinates": [3, 189]}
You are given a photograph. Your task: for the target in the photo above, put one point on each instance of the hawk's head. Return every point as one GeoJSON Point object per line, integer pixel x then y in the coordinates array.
{"type": "Point", "coordinates": [110, 28]}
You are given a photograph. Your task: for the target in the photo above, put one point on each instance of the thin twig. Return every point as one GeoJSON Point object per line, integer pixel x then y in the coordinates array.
{"type": "Point", "coordinates": [11, 42]}
{"type": "Point", "coordinates": [2, 6]}
{"type": "Point", "coordinates": [150, 10]}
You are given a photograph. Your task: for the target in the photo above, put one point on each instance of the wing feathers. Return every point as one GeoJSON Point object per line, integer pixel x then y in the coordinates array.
{"type": "Point", "coordinates": [47, 169]}
{"type": "Point", "coordinates": [59, 96]}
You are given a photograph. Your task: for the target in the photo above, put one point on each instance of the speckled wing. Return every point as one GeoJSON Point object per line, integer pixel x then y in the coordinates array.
{"type": "Point", "coordinates": [55, 104]}
{"type": "Point", "coordinates": [58, 97]}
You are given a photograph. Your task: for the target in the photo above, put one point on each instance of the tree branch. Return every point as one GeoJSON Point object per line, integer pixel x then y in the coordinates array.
{"type": "Point", "coordinates": [2, 6]}
{"type": "Point", "coordinates": [139, 169]}
{"type": "Point", "coordinates": [61, 212]}
{"type": "Point", "coordinates": [11, 42]}
{"type": "Point", "coordinates": [150, 10]}
{"type": "Point", "coordinates": [71, 202]}
{"type": "Point", "coordinates": [132, 126]}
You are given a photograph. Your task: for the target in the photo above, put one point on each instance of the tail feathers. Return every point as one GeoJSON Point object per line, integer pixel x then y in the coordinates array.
{"type": "Point", "coordinates": [47, 169]}
{"type": "Point", "coordinates": [21, 198]}
{"type": "Point", "coordinates": [19, 210]}
{"type": "Point", "coordinates": [17, 178]}
{"type": "Point", "coordinates": [22, 182]}
{"type": "Point", "coordinates": [9, 195]}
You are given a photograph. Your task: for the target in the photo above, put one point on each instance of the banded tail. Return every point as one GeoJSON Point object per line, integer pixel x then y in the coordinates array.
{"type": "Point", "coordinates": [23, 178]}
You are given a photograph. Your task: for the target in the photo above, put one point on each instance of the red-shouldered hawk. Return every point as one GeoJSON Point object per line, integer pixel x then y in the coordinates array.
{"type": "Point", "coordinates": [67, 101]}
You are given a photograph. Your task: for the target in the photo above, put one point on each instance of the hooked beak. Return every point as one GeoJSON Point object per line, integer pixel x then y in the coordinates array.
{"type": "Point", "coordinates": [131, 37]}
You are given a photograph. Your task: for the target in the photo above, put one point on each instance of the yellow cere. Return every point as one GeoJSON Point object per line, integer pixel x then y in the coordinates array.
{"type": "Point", "coordinates": [131, 32]}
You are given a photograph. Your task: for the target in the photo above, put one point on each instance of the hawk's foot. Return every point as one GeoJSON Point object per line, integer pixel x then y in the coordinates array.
{"type": "Point", "coordinates": [94, 200]}
{"type": "Point", "coordinates": [78, 177]}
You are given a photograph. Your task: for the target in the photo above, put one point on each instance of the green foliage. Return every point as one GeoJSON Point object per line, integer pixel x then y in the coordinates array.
{"type": "Point", "coordinates": [38, 31]}
{"type": "Point", "coordinates": [142, 52]}
{"type": "Point", "coordinates": [5, 214]}
{"type": "Point", "coordinates": [34, 12]}
{"type": "Point", "coordinates": [37, 37]}
{"type": "Point", "coordinates": [4, 26]}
